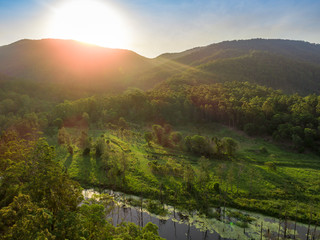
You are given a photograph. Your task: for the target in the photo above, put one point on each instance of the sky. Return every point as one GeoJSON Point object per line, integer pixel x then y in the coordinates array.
{"type": "Point", "coordinates": [153, 27]}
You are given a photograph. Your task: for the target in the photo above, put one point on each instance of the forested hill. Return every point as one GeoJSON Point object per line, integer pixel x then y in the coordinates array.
{"type": "Point", "coordinates": [69, 62]}
{"type": "Point", "coordinates": [292, 66]}
{"type": "Point", "coordinates": [298, 50]}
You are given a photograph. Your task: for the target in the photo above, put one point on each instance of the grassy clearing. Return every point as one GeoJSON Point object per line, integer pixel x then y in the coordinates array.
{"type": "Point", "coordinates": [262, 176]}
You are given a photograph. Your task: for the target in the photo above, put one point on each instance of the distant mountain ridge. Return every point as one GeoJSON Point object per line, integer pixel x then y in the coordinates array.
{"type": "Point", "coordinates": [300, 50]}
{"type": "Point", "coordinates": [69, 61]}
{"type": "Point", "coordinates": [292, 66]}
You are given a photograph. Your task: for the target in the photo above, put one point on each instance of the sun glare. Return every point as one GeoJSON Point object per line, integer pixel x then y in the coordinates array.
{"type": "Point", "coordinates": [89, 21]}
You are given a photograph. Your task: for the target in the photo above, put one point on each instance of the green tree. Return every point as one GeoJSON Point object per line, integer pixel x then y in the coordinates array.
{"type": "Point", "coordinates": [229, 146]}
{"type": "Point", "coordinates": [22, 219]}
{"type": "Point", "coordinates": [176, 137]}
{"type": "Point", "coordinates": [199, 145]}
{"type": "Point", "coordinates": [63, 137]}
{"type": "Point", "coordinates": [158, 133]}
{"type": "Point", "coordinates": [188, 176]}
{"type": "Point", "coordinates": [40, 183]}
{"type": "Point", "coordinates": [148, 137]}
{"type": "Point", "coordinates": [93, 222]}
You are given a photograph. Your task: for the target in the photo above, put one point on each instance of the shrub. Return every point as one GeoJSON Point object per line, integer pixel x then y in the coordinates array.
{"type": "Point", "coordinates": [271, 166]}
{"type": "Point", "coordinates": [263, 150]}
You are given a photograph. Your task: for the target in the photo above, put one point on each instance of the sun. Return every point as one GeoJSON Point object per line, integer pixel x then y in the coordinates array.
{"type": "Point", "coordinates": [89, 21]}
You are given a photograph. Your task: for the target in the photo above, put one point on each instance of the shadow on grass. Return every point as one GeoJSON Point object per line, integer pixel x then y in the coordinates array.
{"type": "Point", "coordinates": [292, 188]}
{"type": "Point", "coordinates": [306, 165]}
{"type": "Point", "coordinates": [100, 171]}
{"type": "Point", "coordinates": [84, 167]}
{"type": "Point", "coordinates": [68, 161]}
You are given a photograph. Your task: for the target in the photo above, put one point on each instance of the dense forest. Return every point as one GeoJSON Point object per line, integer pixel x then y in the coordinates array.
{"type": "Point", "coordinates": [211, 135]}
{"type": "Point", "coordinates": [257, 110]}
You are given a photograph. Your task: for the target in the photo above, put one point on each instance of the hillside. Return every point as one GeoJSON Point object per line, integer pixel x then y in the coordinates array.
{"type": "Point", "coordinates": [69, 62]}
{"type": "Point", "coordinates": [292, 66]}
{"type": "Point", "coordinates": [299, 50]}
{"type": "Point", "coordinates": [263, 68]}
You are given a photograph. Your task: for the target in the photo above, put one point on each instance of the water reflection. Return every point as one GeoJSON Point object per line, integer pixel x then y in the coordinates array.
{"type": "Point", "coordinates": [182, 225]}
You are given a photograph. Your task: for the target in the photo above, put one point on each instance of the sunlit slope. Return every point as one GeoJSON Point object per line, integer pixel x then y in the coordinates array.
{"type": "Point", "coordinates": [67, 61]}
{"type": "Point", "coordinates": [261, 68]}
{"type": "Point", "coordinates": [292, 66]}
{"type": "Point", "coordinates": [298, 50]}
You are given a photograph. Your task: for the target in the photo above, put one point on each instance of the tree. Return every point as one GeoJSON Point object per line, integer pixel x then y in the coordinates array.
{"type": "Point", "coordinates": [268, 108]}
{"type": "Point", "coordinates": [218, 145]}
{"type": "Point", "coordinates": [148, 137]}
{"type": "Point", "coordinates": [158, 133]}
{"type": "Point", "coordinates": [298, 143]}
{"type": "Point", "coordinates": [63, 137]}
{"type": "Point", "coordinates": [229, 146]}
{"type": "Point", "coordinates": [309, 136]}
{"type": "Point", "coordinates": [38, 200]}
{"type": "Point", "coordinates": [188, 176]}
{"type": "Point", "coordinates": [93, 221]}
{"type": "Point", "coordinates": [176, 137]}
{"type": "Point", "coordinates": [23, 219]}
{"type": "Point", "coordinates": [47, 192]}
{"type": "Point", "coordinates": [198, 145]}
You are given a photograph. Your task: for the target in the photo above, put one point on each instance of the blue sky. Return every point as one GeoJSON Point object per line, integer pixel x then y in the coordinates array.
{"type": "Point", "coordinates": [170, 26]}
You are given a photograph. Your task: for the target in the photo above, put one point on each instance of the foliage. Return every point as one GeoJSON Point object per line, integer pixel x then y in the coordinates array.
{"type": "Point", "coordinates": [229, 146]}
{"type": "Point", "coordinates": [40, 201]}
{"type": "Point", "coordinates": [198, 145]}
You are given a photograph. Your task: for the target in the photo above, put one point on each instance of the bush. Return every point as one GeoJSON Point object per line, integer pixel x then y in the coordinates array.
{"type": "Point", "coordinates": [263, 150]}
{"type": "Point", "coordinates": [229, 145]}
{"type": "Point", "coordinates": [198, 145]}
{"type": "Point", "coordinates": [176, 137]}
{"type": "Point", "coordinates": [271, 166]}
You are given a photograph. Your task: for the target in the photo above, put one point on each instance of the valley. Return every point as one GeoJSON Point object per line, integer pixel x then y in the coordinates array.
{"type": "Point", "coordinates": [233, 125]}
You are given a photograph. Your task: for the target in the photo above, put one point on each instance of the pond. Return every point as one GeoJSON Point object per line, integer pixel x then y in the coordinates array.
{"type": "Point", "coordinates": [228, 223]}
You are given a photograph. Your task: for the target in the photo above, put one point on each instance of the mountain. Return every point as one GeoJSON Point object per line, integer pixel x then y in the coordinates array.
{"type": "Point", "coordinates": [298, 50]}
{"type": "Point", "coordinates": [292, 66]}
{"type": "Point", "coordinates": [70, 62]}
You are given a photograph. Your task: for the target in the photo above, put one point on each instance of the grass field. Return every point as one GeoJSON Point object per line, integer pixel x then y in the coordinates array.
{"type": "Point", "coordinates": [262, 176]}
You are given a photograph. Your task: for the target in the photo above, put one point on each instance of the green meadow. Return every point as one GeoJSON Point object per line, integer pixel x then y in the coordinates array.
{"type": "Point", "coordinates": [261, 176]}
